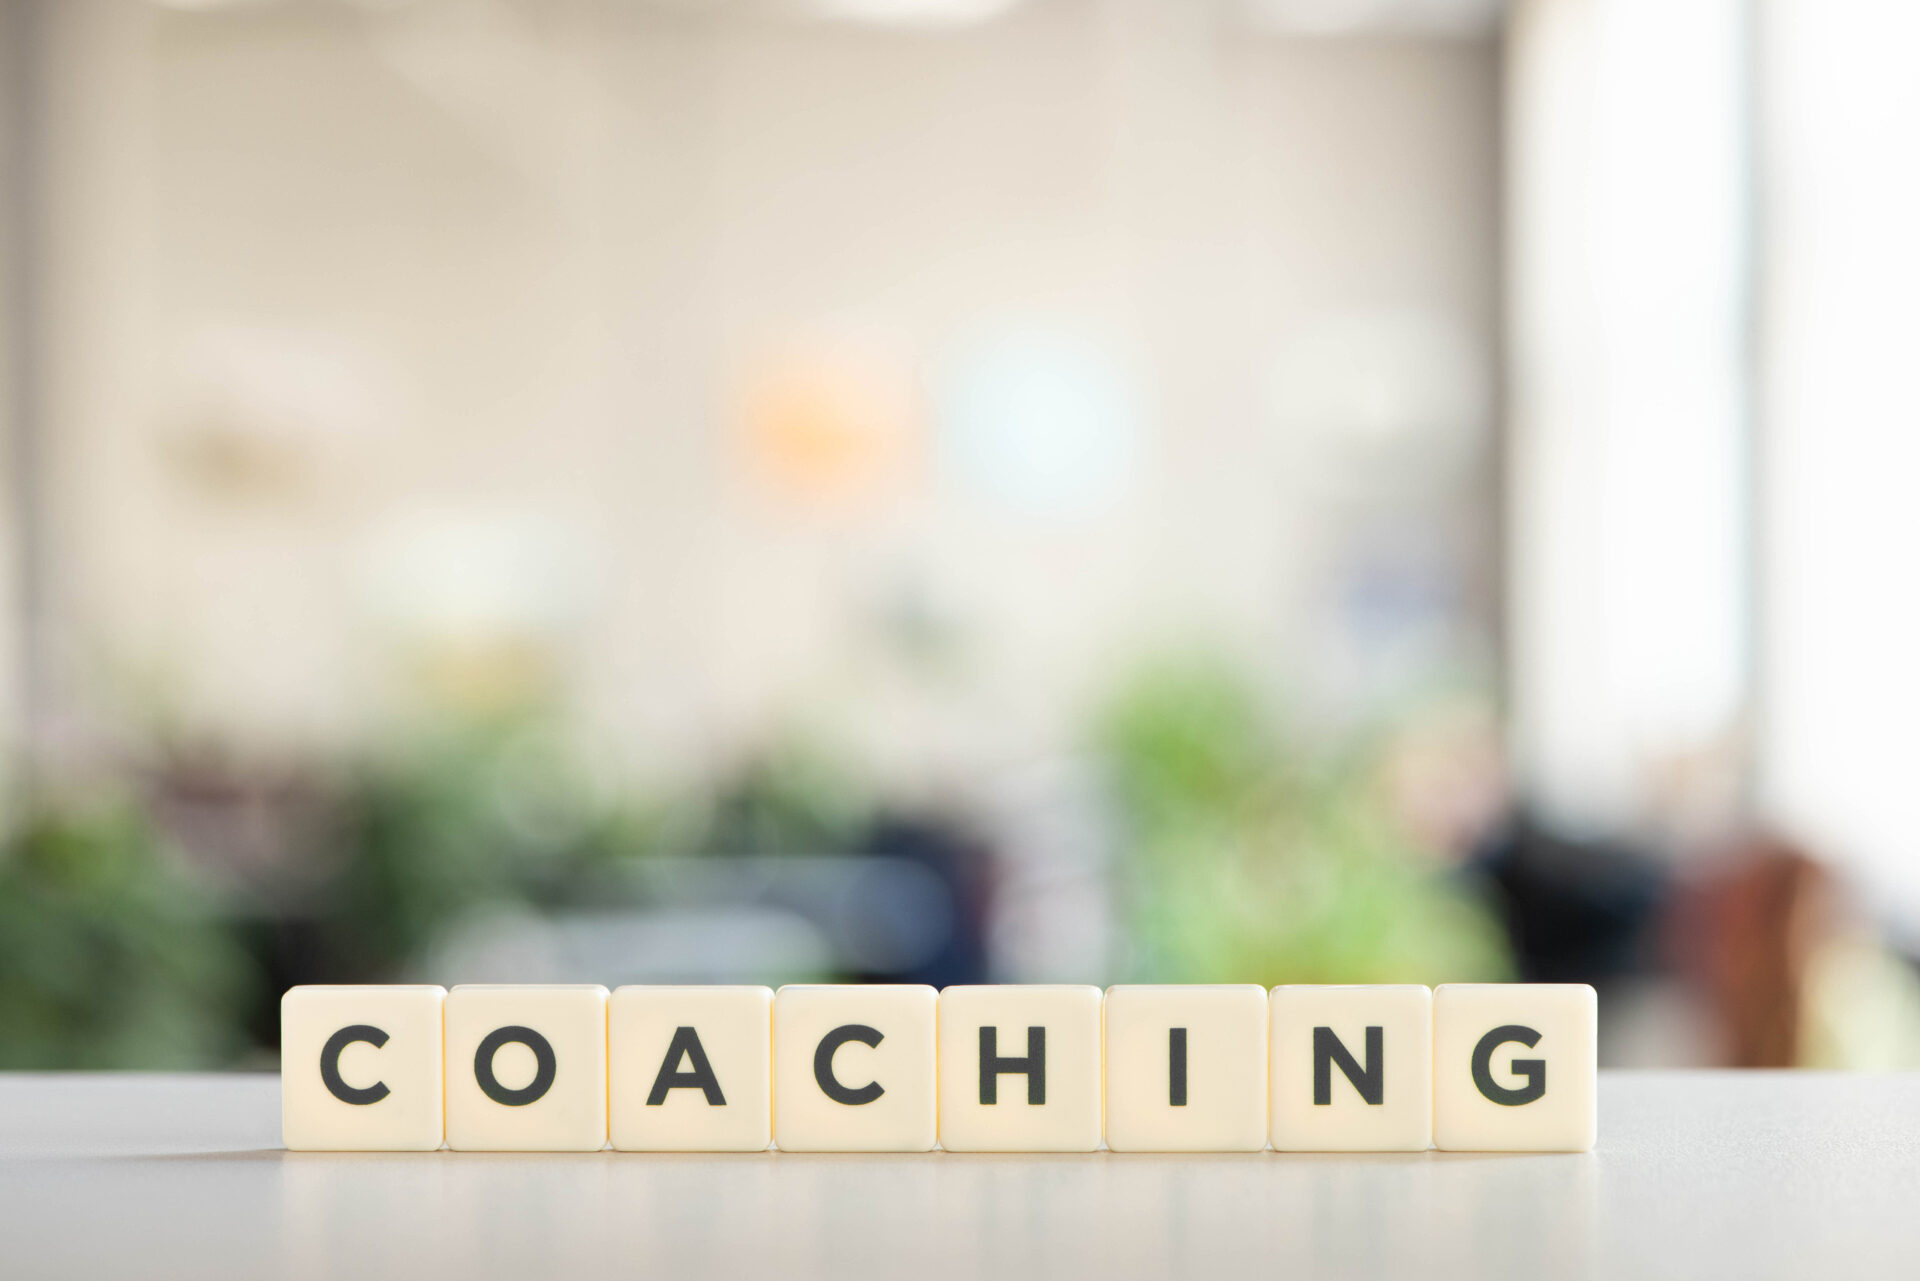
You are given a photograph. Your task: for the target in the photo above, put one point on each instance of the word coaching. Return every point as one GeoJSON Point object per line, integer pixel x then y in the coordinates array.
{"type": "Point", "coordinates": [1465, 1066]}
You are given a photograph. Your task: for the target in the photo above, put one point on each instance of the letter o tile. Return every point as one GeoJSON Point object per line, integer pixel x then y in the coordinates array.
{"type": "Point", "coordinates": [527, 1068]}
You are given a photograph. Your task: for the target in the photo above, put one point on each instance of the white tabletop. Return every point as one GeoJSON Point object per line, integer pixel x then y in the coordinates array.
{"type": "Point", "coordinates": [1697, 1174]}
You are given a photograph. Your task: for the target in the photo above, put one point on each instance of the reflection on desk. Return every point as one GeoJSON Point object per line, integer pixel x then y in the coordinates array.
{"type": "Point", "coordinates": [1759, 1174]}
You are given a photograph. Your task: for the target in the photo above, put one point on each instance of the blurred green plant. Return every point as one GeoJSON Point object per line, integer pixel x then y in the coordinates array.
{"type": "Point", "coordinates": [108, 956]}
{"type": "Point", "coordinates": [476, 814]}
{"type": "Point", "coordinates": [796, 796]}
{"type": "Point", "coordinates": [463, 819]}
{"type": "Point", "coordinates": [155, 930]}
{"type": "Point", "coordinates": [1252, 861]}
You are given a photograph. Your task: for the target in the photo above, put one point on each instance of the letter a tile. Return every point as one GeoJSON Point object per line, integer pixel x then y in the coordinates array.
{"type": "Point", "coordinates": [690, 1069]}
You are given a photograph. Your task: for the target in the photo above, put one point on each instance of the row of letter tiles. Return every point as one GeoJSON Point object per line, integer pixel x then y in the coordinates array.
{"type": "Point", "coordinates": [1464, 1067]}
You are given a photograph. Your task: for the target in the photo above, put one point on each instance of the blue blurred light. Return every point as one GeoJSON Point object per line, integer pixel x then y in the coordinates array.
{"type": "Point", "coordinates": [1043, 422]}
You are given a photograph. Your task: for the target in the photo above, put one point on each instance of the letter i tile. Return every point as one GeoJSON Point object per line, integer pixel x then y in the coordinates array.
{"type": "Point", "coordinates": [1186, 1068]}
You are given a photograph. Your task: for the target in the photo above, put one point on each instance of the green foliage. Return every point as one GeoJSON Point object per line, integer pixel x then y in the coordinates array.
{"type": "Point", "coordinates": [107, 957]}
{"type": "Point", "coordinates": [1250, 862]}
{"type": "Point", "coordinates": [795, 797]}
{"type": "Point", "coordinates": [461, 821]}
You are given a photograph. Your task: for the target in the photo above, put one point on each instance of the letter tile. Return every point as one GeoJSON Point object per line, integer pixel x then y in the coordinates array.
{"type": "Point", "coordinates": [1186, 1068]}
{"type": "Point", "coordinates": [691, 1069]}
{"type": "Point", "coordinates": [1020, 1069]}
{"type": "Point", "coordinates": [1352, 1068]}
{"type": "Point", "coordinates": [361, 1068]}
{"type": "Point", "coordinates": [527, 1068]}
{"type": "Point", "coordinates": [853, 1068]}
{"type": "Point", "coordinates": [1514, 1067]}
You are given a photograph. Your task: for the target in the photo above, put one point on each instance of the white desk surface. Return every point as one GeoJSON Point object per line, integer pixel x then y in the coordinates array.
{"type": "Point", "coordinates": [1697, 1174]}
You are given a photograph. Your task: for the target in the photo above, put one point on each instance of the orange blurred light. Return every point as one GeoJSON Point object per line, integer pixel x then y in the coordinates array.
{"type": "Point", "coordinates": [829, 424]}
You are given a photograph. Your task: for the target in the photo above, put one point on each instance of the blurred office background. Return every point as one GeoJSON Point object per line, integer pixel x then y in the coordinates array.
{"type": "Point", "coordinates": [957, 491]}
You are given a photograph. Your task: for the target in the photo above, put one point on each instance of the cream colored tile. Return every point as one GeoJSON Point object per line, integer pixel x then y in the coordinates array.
{"type": "Point", "coordinates": [854, 1068]}
{"type": "Point", "coordinates": [691, 1069]}
{"type": "Point", "coordinates": [1186, 1069]}
{"type": "Point", "coordinates": [527, 1068]}
{"type": "Point", "coordinates": [1514, 1067]}
{"type": "Point", "coordinates": [361, 1068]}
{"type": "Point", "coordinates": [1020, 1069]}
{"type": "Point", "coordinates": [1352, 1069]}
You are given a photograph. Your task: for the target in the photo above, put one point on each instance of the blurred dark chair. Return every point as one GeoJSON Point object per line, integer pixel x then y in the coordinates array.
{"type": "Point", "coordinates": [1578, 910]}
{"type": "Point", "coordinates": [1744, 934]}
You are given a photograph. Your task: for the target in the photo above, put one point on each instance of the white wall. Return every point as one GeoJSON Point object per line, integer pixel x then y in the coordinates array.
{"type": "Point", "coordinates": [13, 244]}
{"type": "Point", "coordinates": [377, 322]}
{"type": "Point", "coordinates": [1841, 662]}
{"type": "Point", "coordinates": [1627, 479]}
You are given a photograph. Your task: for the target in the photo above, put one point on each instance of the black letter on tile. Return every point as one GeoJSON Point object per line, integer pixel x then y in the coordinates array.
{"type": "Point", "coordinates": [1369, 1080]}
{"type": "Point", "coordinates": [1177, 1066]}
{"type": "Point", "coordinates": [543, 1066]}
{"type": "Point", "coordinates": [698, 1076]}
{"type": "Point", "coordinates": [1535, 1070]}
{"type": "Point", "coordinates": [330, 1064]}
{"type": "Point", "coordinates": [823, 1065]}
{"type": "Point", "coordinates": [1034, 1066]}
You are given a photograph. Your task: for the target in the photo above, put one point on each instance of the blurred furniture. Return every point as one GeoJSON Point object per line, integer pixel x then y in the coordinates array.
{"type": "Point", "coordinates": [1746, 934]}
